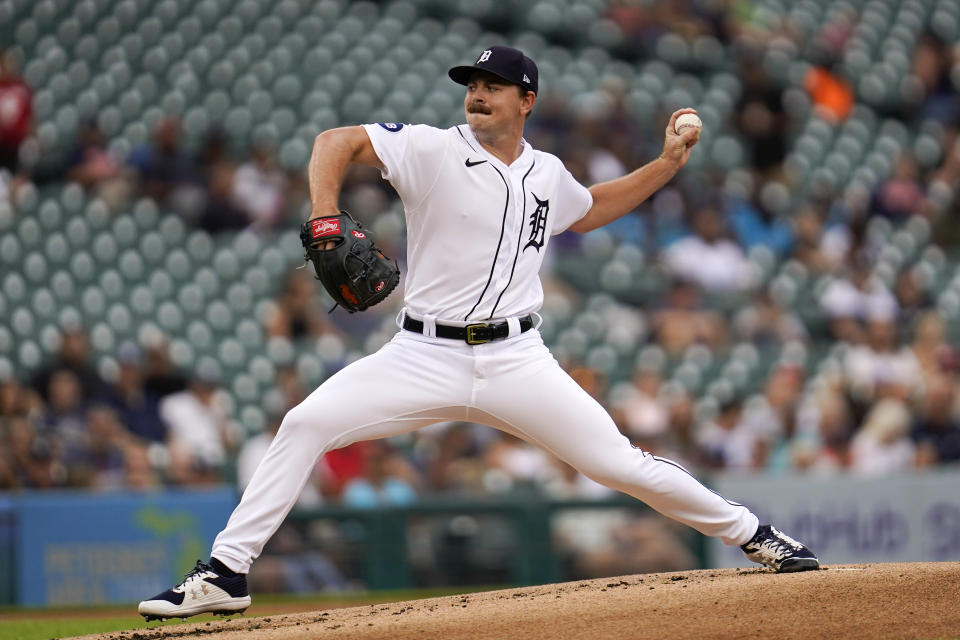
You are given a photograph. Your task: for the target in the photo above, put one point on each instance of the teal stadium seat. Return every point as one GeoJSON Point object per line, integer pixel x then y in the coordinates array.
{"type": "Point", "coordinates": [199, 335]}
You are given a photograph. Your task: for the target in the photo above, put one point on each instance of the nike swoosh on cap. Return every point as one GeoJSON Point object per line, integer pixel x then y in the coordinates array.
{"type": "Point", "coordinates": [473, 164]}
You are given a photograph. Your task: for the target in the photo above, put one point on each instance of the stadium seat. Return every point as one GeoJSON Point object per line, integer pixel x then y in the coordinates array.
{"type": "Point", "coordinates": [219, 316]}
{"type": "Point", "coordinates": [170, 318]}
{"type": "Point", "coordinates": [199, 335]}
{"type": "Point", "coordinates": [231, 354]}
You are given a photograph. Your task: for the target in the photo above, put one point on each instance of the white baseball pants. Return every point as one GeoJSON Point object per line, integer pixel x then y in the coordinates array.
{"type": "Point", "coordinates": [514, 385]}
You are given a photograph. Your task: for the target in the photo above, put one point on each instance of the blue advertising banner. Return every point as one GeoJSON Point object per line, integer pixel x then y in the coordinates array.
{"type": "Point", "coordinates": [80, 549]}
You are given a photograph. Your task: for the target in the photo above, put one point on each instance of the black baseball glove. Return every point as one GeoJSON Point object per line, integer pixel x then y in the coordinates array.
{"type": "Point", "coordinates": [352, 269]}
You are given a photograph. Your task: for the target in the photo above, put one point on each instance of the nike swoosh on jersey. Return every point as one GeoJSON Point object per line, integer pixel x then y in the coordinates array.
{"type": "Point", "coordinates": [473, 164]}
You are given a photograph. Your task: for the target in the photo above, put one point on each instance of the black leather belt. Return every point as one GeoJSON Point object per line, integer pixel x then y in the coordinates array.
{"type": "Point", "coordinates": [478, 333]}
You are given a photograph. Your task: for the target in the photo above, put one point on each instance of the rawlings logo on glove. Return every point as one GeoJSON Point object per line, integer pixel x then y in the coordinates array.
{"type": "Point", "coordinates": [324, 227]}
{"type": "Point", "coordinates": [351, 268]}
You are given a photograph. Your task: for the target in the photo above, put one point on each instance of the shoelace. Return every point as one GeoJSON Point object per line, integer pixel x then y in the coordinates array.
{"type": "Point", "coordinates": [197, 572]}
{"type": "Point", "coordinates": [779, 542]}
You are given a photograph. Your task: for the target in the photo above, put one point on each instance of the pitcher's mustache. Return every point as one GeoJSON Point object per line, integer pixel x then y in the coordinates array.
{"type": "Point", "coordinates": [477, 108]}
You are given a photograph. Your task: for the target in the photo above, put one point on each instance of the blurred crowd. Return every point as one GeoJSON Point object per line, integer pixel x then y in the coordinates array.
{"type": "Point", "coordinates": [890, 404]}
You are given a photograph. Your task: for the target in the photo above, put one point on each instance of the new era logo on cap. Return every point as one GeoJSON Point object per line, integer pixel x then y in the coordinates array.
{"type": "Point", "coordinates": [506, 62]}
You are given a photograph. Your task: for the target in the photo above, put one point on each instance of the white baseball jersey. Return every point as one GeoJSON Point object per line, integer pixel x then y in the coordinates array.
{"type": "Point", "coordinates": [477, 229]}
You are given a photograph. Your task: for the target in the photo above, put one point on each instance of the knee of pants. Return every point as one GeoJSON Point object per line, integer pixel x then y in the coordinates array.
{"type": "Point", "coordinates": [298, 422]}
{"type": "Point", "coordinates": [625, 468]}
{"type": "Point", "coordinates": [312, 428]}
{"type": "Point", "coordinates": [611, 477]}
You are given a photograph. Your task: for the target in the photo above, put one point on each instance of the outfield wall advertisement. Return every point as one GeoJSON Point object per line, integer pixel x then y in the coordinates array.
{"type": "Point", "coordinates": [83, 549]}
{"type": "Point", "coordinates": [86, 549]}
{"type": "Point", "coordinates": [853, 519]}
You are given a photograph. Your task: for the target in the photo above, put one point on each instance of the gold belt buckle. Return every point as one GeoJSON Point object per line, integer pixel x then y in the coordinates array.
{"type": "Point", "coordinates": [472, 330]}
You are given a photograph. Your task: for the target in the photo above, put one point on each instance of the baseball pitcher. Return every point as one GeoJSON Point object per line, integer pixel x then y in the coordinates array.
{"type": "Point", "coordinates": [481, 205]}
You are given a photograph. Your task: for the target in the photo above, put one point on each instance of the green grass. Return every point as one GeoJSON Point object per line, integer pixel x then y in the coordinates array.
{"type": "Point", "coordinates": [43, 624]}
{"type": "Point", "coordinates": [45, 628]}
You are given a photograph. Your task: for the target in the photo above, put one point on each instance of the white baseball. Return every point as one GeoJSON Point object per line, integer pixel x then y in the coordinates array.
{"type": "Point", "coordinates": [687, 120]}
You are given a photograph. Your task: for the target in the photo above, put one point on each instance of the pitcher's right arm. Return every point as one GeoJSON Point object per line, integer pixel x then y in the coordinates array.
{"type": "Point", "coordinates": [333, 151]}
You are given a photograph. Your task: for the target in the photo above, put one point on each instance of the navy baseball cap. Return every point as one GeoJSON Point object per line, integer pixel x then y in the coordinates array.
{"type": "Point", "coordinates": [505, 62]}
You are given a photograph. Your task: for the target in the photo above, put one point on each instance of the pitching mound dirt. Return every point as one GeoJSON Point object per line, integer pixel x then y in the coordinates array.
{"type": "Point", "coordinates": [855, 601]}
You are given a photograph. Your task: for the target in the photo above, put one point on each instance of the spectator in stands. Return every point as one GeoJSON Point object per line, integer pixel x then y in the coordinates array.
{"type": "Point", "coordinates": [913, 295]}
{"type": "Point", "coordinates": [666, 218]}
{"type": "Point", "coordinates": [812, 247]}
{"type": "Point", "coordinates": [682, 320]}
{"type": "Point", "coordinates": [167, 174]}
{"type": "Point", "coordinates": [882, 445]}
{"type": "Point", "coordinates": [591, 380]}
{"type": "Point", "coordinates": [930, 348]}
{"type": "Point", "coordinates": [138, 409]}
{"type": "Point", "coordinates": [259, 187]}
{"type": "Point", "coordinates": [215, 151]}
{"type": "Point", "coordinates": [366, 198]}
{"type": "Point", "coordinates": [881, 367]}
{"type": "Point", "coordinates": [201, 433]}
{"type": "Point", "coordinates": [831, 93]}
{"type": "Point", "coordinates": [604, 132]}
{"type": "Point", "coordinates": [73, 356]}
{"type": "Point", "coordinates": [680, 442]}
{"type": "Point", "coordinates": [728, 442]}
{"type": "Point", "coordinates": [937, 429]}
{"type": "Point", "coordinates": [821, 445]}
{"type": "Point", "coordinates": [388, 480]}
{"type": "Point", "coordinates": [340, 466]}
{"type": "Point", "coordinates": [91, 165]}
{"type": "Point", "coordinates": [902, 194]}
{"type": "Point", "coordinates": [17, 400]}
{"type": "Point", "coordinates": [64, 421]}
{"type": "Point", "coordinates": [37, 464]}
{"type": "Point", "coordinates": [550, 129]}
{"type": "Point", "coordinates": [707, 257]}
{"type": "Point", "coordinates": [850, 299]}
{"type": "Point", "coordinates": [761, 118]}
{"type": "Point", "coordinates": [297, 313]}
{"type": "Point", "coordinates": [288, 389]}
{"type": "Point", "coordinates": [139, 472]}
{"type": "Point", "coordinates": [766, 323]}
{"type": "Point", "coordinates": [451, 456]}
{"type": "Point", "coordinates": [103, 463]}
{"type": "Point", "coordinates": [645, 418]}
{"type": "Point", "coordinates": [511, 462]}
{"type": "Point", "coordinates": [771, 416]}
{"type": "Point", "coordinates": [160, 376]}
{"type": "Point", "coordinates": [933, 62]}
{"type": "Point", "coordinates": [219, 212]}
{"type": "Point", "coordinates": [758, 223]}
{"type": "Point", "coordinates": [16, 111]}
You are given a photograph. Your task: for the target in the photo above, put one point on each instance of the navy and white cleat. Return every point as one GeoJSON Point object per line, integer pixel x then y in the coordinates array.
{"type": "Point", "coordinates": [203, 590]}
{"type": "Point", "coordinates": [774, 549]}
